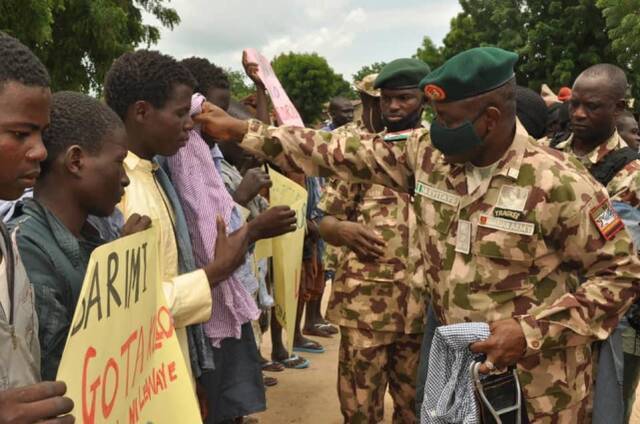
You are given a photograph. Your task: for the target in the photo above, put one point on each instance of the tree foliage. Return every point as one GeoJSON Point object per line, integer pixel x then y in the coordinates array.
{"type": "Point", "coordinates": [429, 53]}
{"type": "Point", "coordinates": [239, 84]}
{"type": "Point", "coordinates": [556, 39]}
{"type": "Point", "coordinates": [309, 81]}
{"type": "Point", "coordinates": [623, 24]}
{"type": "Point", "coordinates": [374, 68]}
{"type": "Point", "coordinates": [77, 39]}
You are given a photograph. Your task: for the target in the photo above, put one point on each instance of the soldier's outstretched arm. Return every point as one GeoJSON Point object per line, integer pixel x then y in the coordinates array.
{"type": "Point", "coordinates": [591, 243]}
{"type": "Point", "coordinates": [353, 156]}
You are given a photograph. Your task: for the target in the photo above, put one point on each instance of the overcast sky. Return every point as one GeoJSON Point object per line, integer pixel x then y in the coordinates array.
{"type": "Point", "coordinates": [348, 33]}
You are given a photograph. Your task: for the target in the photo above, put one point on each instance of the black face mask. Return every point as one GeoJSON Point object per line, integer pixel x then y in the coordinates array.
{"type": "Point", "coordinates": [455, 141]}
{"type": "Point", "coordinates": [408, 122]}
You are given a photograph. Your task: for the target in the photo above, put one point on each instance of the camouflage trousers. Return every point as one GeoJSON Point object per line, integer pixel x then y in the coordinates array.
{"type": "Point", "coordinates": [577, 413]}
{"type": "Point", "coordinates": [369, 362]}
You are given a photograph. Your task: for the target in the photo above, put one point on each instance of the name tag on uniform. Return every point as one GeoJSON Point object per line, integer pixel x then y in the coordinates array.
{"type": "Point", "coordinates": [436, 194]}
{"type": "Point", "coordinates": [463, 237]}
{"type": "Point", "coordinates": [517, 227]}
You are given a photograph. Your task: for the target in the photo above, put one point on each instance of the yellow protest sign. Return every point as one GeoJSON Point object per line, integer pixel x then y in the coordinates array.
{"type": "Point", "coordinates": [287, 252]}
{"type": "Point", "coordinates": [122, 362]}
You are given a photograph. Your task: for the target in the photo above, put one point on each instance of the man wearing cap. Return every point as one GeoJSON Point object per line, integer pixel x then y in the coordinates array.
{"type": "Point", "coordinates": [512, 233]}
{"type": "Point", "coordinates": [379, 291]}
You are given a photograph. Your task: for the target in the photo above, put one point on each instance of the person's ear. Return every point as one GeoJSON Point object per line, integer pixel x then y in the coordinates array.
{"type": "Point", "coordinates": [74, 160]}
{"type": "Point", "coordinates": [493, 115]}
{"type": "Point", "coordinates": [141, 110]}
{"type": "Point", "coordinates": [620, 106]}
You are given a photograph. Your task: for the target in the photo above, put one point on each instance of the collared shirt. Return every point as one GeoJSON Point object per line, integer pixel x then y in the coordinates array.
{"type": "Point", "coordinates": [188, 295]}
{"type": "Point", "coordinates": [546, 264]}
{"type": "Point", "coordinates": [195, 173]}
{"type": "Point", "coordinates": [19, 346]}
{"type": "Point", "coordinates": [5, 302]}
{"type": "Point", "coordinates": [56, 263]}
{"type": "Point", "coordinates": [625, 185]}
{"type": "Point", "coordinates": [449, 390]}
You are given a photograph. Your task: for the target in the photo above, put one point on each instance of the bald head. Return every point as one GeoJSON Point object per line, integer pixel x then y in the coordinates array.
{"type": "Point", "coordinates": [596, 100]}
{"type": "Point", "coordinates": [341, 111]}
{"type": "Point", "coordinates": [609, 77]}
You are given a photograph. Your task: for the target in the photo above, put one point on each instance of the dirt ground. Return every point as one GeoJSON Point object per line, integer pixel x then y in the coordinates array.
{"type": "Point", "coordinates": [309, 396]}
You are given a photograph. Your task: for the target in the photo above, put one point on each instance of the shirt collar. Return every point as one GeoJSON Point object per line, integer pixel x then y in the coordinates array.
{"type": "Point", "coordinates": [216, 153]}
{"type": "Point", "coordinates": [507, 166]}
{"type": "Point", "coordinates": [614, 142]}
{"type": "Point", "coordinates": [68, 243]}
{"type": "Point", "coordinates": [133, 162]}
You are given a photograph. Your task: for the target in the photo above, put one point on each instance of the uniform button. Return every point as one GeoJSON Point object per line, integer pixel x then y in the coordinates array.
{"type": "Point", "coordinates": [535, 344]}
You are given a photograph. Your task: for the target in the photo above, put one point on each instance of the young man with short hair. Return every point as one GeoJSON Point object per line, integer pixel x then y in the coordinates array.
{"type": "Point", "coordinates": [86, 144]}
{"type": "Point", "coordinates": [25, 101]}
{"type": "Point", "coordinates": [151, 93]}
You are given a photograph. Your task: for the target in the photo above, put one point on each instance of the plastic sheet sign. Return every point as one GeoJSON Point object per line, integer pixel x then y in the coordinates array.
{"type": "Point", "coordinates": [287, 252]}
{"type": "Point", "coordinates": [285, 110]}
{"type": "Point", "coordinates": [122, 361]}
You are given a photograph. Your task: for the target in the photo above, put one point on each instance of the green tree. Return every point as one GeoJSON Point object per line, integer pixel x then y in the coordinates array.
{"type": "Point", "coordinates": [239, 84]}
{"type": "Point", "coordinates": [556, 39]}
{"type": "Point", "coordinates": [486, 22]}
{"type": "Point", "coordinates": [623, 25]}
{"type": "Point", "coordinates": [564, 37]}
{"type": "Point", "coordinates": [374, 68]}
{"type": "Point", "coordinates": [309, 82]}
{"type": "Point", "coordinates": [77, 39]}
{"type": "Point", "coordinates": [429, 53]}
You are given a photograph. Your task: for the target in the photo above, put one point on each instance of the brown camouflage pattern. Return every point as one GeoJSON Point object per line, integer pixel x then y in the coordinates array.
{"type": "Point", "coordinates": [565, 283]}
{"type": "Point", "coordinates": [625, 186]}
{"type": "Point", "coordinates": [371, 360]}
{"type": "Point", "coordinates": [380, 295]}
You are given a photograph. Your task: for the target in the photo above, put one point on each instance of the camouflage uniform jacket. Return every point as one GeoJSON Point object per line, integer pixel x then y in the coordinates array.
{"type": "Point", "coordinates": [388, 294]}
{"type": "Point", "coordinates": [625, 186]}
{"type": "Point", "coordinates": [333, 254]}
{"type": "Point", "coordinates": [546, 265]}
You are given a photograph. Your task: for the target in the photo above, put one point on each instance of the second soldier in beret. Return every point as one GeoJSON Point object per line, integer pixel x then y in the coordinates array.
{"type": "Point", "coordinates": [378, 295]}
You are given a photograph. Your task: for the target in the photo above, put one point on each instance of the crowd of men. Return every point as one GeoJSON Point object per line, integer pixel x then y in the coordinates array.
{"type": "Point", "coordinates": [501, 209]}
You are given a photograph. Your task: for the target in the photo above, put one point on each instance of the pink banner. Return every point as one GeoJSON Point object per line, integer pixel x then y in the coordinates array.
{"type": "Point", "coordinates": [285, 110]}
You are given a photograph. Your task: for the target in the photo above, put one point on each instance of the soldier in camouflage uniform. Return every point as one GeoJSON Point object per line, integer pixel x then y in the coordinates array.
{"type": "Point", "coordinates": [598, 96]}
{"type": "Point", "coordinates": [535, 250]}
{"type": "Point", "coordinates": [378, 296]}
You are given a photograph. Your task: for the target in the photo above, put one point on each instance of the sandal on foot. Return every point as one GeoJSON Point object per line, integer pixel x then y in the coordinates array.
{"type": "Point", "coordinates": [309, 346]}
{"type": "Point", "coordinates": [317, 331]}
{"type": "Point", "coordinates": [272, 366]}
{"type": "Point", "coordinates": [295, 362]}
{"type": "Point", "coordinates": [269, 381]}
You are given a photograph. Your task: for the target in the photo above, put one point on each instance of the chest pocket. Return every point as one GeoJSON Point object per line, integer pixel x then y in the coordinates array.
{"type": "Point", "coordinates": [379, 206]}
{"type": "Point", "coordinates": [504, 260]}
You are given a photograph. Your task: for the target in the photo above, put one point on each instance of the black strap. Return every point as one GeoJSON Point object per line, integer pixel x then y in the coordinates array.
{"type": "Point", "coordinates": [559, 137]}
{"type": "Point", "coordinates": [614, 162]}
{"type": "Point", "coordinates": [10, 266]}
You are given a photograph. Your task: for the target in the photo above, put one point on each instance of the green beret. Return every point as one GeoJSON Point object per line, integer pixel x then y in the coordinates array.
{"type": "Point", "coordinates": [469, 74]}
{"type": "Point", "coordinates": [402, 73]}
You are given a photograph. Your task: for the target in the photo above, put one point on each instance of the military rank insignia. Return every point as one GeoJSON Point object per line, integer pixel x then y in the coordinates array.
{"type": "Point", "coordinates": [435, 92]}
{"type": "Point", "coordinates": [606, 220]}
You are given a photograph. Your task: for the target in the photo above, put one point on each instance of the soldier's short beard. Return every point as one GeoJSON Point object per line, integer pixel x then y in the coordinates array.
{"type": "Point", "coordinates": [408, 122]}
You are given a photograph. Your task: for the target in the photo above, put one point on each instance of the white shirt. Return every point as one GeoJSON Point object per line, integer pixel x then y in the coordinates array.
{"type": "Point", "coordinates": [5, 302]}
